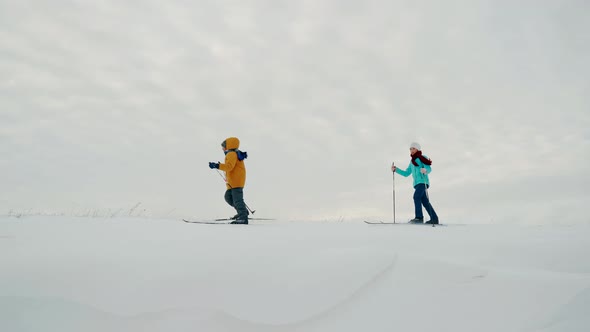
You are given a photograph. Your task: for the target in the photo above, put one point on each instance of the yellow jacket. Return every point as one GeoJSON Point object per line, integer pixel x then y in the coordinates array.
{"type": "Point", "coordinates": [235, 170]}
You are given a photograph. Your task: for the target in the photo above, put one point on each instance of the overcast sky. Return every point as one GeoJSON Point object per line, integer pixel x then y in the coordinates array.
{"type": "Point", "coordinates": [104, 104]}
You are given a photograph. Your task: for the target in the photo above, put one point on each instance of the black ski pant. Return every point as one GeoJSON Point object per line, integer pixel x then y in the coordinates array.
{"type": "Point", "coordinates": [235, 198]}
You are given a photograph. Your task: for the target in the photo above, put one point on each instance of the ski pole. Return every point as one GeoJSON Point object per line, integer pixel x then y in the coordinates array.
{"type": "Point", "coordinates": [392, 165]}
{"type": "Point", "coordinates": [426, 186]}
{"type": "Point", "coordinates": [223, 177]}
{"type": "Point", "coordinates": [230, 187]}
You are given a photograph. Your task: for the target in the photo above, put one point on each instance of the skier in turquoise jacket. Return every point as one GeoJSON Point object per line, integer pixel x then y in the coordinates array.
{"type": "Point", "coordinates": [419, 168]}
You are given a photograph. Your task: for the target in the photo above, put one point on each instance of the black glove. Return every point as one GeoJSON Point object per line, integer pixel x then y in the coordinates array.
{"type": "Point", "coordinates": [213, 165]}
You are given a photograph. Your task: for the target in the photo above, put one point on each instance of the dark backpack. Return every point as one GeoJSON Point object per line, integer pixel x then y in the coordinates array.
{"type": "Point", "coordinates": [241, 154]}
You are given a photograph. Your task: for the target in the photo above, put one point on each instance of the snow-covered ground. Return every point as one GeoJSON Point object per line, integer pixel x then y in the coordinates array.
{"type": "Point", "coordinates": [86, 274]}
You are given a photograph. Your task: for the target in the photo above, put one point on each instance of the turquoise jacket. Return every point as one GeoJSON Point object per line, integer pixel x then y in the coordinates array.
{"type": "Point", "coordinates": [415, 171]}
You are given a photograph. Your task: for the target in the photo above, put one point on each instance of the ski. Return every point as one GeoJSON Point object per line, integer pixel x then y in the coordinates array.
{"type": "Point", "coordinates": [210, 222]}
{"type": "Point", "coordinates": [220, 221]}
{"type": "Point", "coordinates": [398, 223]}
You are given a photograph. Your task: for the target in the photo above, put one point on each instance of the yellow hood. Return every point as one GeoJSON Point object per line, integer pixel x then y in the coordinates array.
{"type": "Point", "coordinates": [232, 143]}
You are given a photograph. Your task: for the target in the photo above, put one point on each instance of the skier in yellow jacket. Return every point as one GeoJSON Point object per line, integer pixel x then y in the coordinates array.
{"type": "Point", "coordinates": [235, 175]}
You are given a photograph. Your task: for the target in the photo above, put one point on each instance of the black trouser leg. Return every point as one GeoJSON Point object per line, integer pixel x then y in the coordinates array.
{"type": "Point", "coordinates": [229, 198]}
{"type": "Point", "coordinates": [239, 204]}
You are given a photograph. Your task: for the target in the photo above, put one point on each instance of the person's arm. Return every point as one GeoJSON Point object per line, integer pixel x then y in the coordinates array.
{"type": "Point", "coordinates": [230, 162]}
{"type": "Point", "coordinates": [405, 173]}
{"type": "Point", "coordinates": [427, 168]}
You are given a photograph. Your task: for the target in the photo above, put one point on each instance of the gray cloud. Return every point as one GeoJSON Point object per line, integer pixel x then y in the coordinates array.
{"type": "Point", "coordinates": [106, 104]}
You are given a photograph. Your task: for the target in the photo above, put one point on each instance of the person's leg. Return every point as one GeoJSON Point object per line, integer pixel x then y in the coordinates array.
{"type": "Point", "coordinates": [429, 208]}
{"type": "Point", "coordinates": [419, 192]}
{"type": "Point", "coordinates": [239, 204]}
{"type": "Point", "coordinates": [229, 198]}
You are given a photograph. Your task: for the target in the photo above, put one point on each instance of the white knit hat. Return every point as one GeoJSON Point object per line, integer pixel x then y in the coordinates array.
{"type": "Point", "coordinates": [415, 146]}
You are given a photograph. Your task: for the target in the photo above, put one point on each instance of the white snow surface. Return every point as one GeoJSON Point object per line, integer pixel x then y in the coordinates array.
{"type": "Point", "coordinates": [88, 274]}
